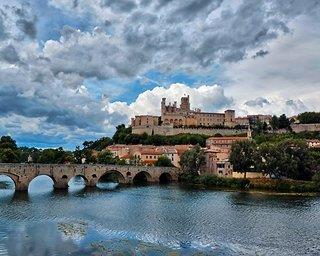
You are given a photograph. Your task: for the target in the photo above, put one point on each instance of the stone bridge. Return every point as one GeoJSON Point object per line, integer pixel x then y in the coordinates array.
{"type": "Point", "coordinates": [61, 174]}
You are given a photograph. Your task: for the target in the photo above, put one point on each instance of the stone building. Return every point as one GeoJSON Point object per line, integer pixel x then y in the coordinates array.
{"type": "Point", "coordinates": [183, 116]}
{"type": "Point", "coordinates": [148, 154]}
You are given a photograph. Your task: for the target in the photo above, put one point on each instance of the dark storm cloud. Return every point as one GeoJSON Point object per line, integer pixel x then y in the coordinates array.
{"type": "Point", "coordinates": [45, 80]}
{"type": "Point", "coordinates": [13, 102]}
{"type": "Point", "coordinates": [119, 5]}
{"type": "Point", "coordinates": [9, 54]}
{"type": "Point", "coordinates": [3, 33]}
{"type": "Point", "coordinates": [190, 8]}
{"type": "Point", "coordinates": [258, 102]}
{"type": "Point", "coordinates": [260, 53]}
{"type": "Point", "coordinates": [28, 27]}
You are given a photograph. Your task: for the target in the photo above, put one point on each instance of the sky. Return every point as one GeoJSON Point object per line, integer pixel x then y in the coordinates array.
{"type": "Point", "coordinates": [71, 70]}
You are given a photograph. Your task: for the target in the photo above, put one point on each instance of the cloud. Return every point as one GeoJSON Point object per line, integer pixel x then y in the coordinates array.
{"type": "Point", "coordinates": [260, 53]}
{"type": "Point", "coordinates": [257, 102]}
{"type": "Point", "coordinates": [46, 82]}
{"type": "Point", "coordinates": [206, 97]}
{"type": "Point", "coordinates": [271, 106]}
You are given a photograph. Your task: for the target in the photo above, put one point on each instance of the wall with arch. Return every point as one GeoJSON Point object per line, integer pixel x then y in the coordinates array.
{"type": "Point", "coordinates": [61, 174]}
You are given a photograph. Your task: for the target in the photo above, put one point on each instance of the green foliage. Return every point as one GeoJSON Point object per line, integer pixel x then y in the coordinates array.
{"type": "Point", "coordinates": [121, 133]}
{"type": "Point", "coordinates": [309, 117]}
{"type": "Point", "coordinates": [316, 179]}
{"type": "Point", "coordinates": [288, 158]}
{"type": "Point", "coordinates": [275, 138]}
{"type": "Point", "coordinates": [213, 181]}
{"type": "Point", "coordinates": [105, 157]}
{"type": "Point", "coordinates": [284, 122]}
{"type": "Point", "coordinates": [99, 144]}
{"type": "Point", "coordinates": [163, 161]}
{"type": "Point", "coordinates": [192, 160]}
{"type": "Point", "coordinates": [9, 152]}
{"type": "Point", "coordinates": [55, 156]}
{"type": "Point", "coordinates": [259, 127]}
{"type": "Point", "coordinates": [7, 155]}
{"type": "Point", "coordinates": [242, 156]}
{"type": "Point", "coordinates": [281, 122]}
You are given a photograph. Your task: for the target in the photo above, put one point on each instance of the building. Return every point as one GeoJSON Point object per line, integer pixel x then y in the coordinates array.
{"type": "Point", "coordinates": [217, 162]}
{"type": "Point", "coordinates": [223, 142]}
{"type": "Point", "coordinates": [148, 154]}
{"type": "Point", "coordinates": [260, 118]}
{"type": "Point", "coordinates": [242, 121]}
{"type": "Point", "coordinates": [183, 116]}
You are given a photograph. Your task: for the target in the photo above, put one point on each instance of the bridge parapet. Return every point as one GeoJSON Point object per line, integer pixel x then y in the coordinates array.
{"type": "Point", "coordinates": [22, 174]}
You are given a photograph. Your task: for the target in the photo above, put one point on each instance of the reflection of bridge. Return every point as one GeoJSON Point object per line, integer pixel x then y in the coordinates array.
{"type": "Point", "coordinates": [23, 174]}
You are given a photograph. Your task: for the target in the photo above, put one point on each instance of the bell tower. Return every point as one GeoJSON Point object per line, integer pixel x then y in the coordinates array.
{"type": "Point", "coordinates": [185, 104]}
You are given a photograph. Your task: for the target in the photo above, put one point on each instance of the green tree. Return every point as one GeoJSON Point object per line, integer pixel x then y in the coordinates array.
{"type": "Point", "coordinates": [163, 161]}
{"type": "Point", "coordinates": [242, 156]}
{"type": "Point", "coordinates": [8, 155]}
{"type": "Point", "coordinates": [289, 158]}
{"type": "Point", "coordinates": [8, 143]}
{"type": "Point", "coordinates": [274, 123]}
{"type": "Point", "coordinates": [284, 122]}
{"type": "Point", "coordinates": [309, 117]}
{"type": "Point", "coordinates": [192, 160]}
{"type": "Point", "coordinates": [105, 157]}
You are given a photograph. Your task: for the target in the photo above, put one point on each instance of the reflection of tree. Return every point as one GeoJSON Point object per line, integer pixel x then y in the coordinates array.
{"type": "Point", "coordinates": [75, 231]}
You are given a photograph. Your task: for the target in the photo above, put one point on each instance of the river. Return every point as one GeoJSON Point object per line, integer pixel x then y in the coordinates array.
{"type": "Point", "coordinates": [154, 220]}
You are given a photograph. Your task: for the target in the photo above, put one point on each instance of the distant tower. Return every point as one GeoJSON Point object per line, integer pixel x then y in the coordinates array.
{"type": "Point", "coordinates": [163, 106]}
{"type": "Point", "coordinates": [185, 104]}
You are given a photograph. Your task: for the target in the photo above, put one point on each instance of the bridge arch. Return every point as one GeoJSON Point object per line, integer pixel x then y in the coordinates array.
{"type": "Point", "coordinates": [112, 176]}
{"type": "Point", "coordinates": [12, 177]}
{"type": "Point", "coordinates": [165, 178]}
{"type": "Point", "coordinates": [142, 177]}
{"type": "Point", "coordinates": [35, 179]}
{"type": "Point", "coordinates": [77, 179]}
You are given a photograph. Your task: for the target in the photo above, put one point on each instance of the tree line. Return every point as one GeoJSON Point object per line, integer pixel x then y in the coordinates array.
{"type": "Point", "coordinates": [288, 158]}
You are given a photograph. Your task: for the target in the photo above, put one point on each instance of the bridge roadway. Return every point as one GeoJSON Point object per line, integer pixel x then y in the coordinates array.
{"type": "Point", "coordinates": [61, 174]}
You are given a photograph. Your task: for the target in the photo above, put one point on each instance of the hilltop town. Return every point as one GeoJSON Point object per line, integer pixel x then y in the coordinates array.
{"type": "Point", "coordinates": [163, 140]}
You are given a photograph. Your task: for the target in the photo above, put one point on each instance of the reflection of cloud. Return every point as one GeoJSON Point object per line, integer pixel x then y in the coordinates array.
{"type": "Point", "coordinates": [75, 231]}
{"type": "Point", "coordinates": [37, 239]}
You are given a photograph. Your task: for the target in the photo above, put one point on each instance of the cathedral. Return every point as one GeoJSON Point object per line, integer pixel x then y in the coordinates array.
{"type": "Point", "coordinates": [183, 116]}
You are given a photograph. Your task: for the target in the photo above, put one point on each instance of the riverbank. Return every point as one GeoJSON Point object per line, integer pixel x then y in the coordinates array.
{"type": "Point", "coordinates": [208, 181]}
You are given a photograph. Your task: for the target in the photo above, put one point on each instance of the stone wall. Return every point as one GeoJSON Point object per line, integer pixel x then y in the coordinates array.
{"type": "Point", "coordinates": [305, 127]}
{"type": "Point", "coordinates": [61, 174]}
{"type": "Point", "coordinates": [169, 130]}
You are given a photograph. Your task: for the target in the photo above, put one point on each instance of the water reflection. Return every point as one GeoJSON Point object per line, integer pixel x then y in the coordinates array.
{"type": "Point", "coordinates": [77, 183]}
{"type": "Point", "coordinates": [154, 220]}
{"type": "Point", "coordinates": [7, 188]}
{"type": "Point", "coordinates": [40, 185]}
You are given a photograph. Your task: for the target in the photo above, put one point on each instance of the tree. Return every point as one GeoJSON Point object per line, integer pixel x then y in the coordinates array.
{"type": "Point", "coordinates": [8, 142]}
{"type": "Point", "coordinates": [274, 123]}
{"type": "Point", "coordinates": [78, 155]}
{"type": "Point", "coordinates": [163, 161]}
{"type": "Point", "coordinates": [242, 156]}
{"type": "Point", "coordinates": [8, 155]}
{"type": "Point", "coordinates": [289, 158]}
{"type": "Point", "coordinates": [309, 117]}
{"type": "Point", "coordinates": [270, 160]}
{"type": "Point", "coordinates": [105, 157]}
{"type": "Point", "coordinates": [192, 160]}
{"type": "Point", "coordinates": [284, 122]}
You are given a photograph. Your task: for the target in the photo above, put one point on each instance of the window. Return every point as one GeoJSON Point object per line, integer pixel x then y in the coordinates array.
{"type": "Point", "coordinates": [146, 157]}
